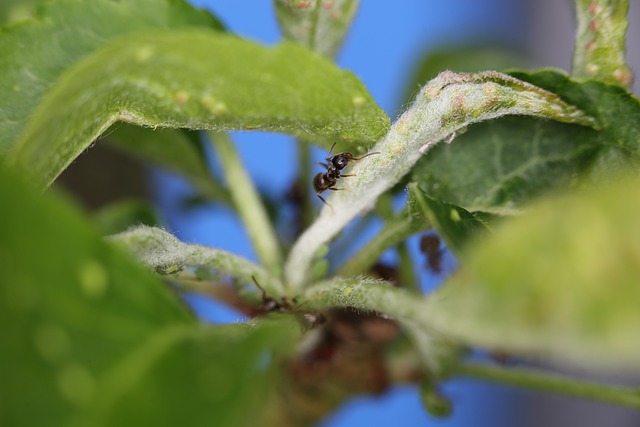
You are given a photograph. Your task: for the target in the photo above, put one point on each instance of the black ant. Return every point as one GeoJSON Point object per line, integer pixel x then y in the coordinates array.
{"type": "Point", "coordinates": [327, 180]}
{"type": "Point", "coordinates": [270, 304]}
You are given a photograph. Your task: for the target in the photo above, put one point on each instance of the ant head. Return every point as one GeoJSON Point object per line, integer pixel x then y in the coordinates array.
{"type": "Point", "coordinates": [340, 161]}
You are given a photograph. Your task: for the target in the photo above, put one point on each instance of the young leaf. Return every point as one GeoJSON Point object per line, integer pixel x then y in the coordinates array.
{"type": "Point", "coordinates": [464, 58]}
{"type": "Point", "coordinates": [561, 281]}
{"type": "Point", "coordinates": [196, 80]}
{"type": "Point", "coordinates": [90, 338]}
{"type": "Point", "coordinates": [160, 250]}
{"type": "Point", "coordinates": [34, 53]}
{"type": "Point", "coordinates": [600, 41]}
{"type": "Point", "coordinates": [319, 25]}
{"type": "Point", "coordinates": [501, 165]}
{"type": "Point", "coordinates": [444, 106]}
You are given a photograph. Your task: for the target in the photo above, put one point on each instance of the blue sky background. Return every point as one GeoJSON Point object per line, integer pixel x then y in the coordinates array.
{"type": "Point", "coordinates": [382, 49]}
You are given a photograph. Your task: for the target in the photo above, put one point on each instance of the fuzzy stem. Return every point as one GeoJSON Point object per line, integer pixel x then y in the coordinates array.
{"type": "Point", "coordinates": [600, 41]}
{"type": "Point", "coordinates": [553, 383]}
{"type": "Point", "coordinates": [248, 203]}
{"type": "Point", "coordinates": [446, 104]}
{"type": "Point", "coordinates": [162, 252]}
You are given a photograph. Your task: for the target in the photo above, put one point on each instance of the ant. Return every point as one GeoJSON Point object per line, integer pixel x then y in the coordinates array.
{"type": "Point", "coordinates": [270, 304]}
{"type": "Point", "coordinates": [327, 180]}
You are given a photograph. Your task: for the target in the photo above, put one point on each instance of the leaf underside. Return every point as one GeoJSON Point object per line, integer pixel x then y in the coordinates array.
{"type": "Point", "coordinates": [36, 52]}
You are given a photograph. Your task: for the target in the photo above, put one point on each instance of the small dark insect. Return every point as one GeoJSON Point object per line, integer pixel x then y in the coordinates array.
{"type": "Point", "coordinates": [430, 246]}
{"type": "Point", "coordinates": [270, 304]}
{"type": "Point", "coordinates": [327, 180]}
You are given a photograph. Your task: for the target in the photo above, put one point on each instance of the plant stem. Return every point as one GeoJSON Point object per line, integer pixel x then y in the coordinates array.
{"type": "Point", "coordinates": [394, 232]}
{"type": "Point", "coordinates": [248, 204]}
{"type": "Point", "coordinates": [405, 265]}
{"type": "Point", "coordinates": [304, 183]}
{"type": "Point", "coordinates": [600, 41]}
{"type": "Point", "coordinates": [554, 383]}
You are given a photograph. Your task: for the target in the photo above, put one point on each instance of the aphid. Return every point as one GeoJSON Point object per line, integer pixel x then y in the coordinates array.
{"type": "Point", "coordinates": [430, 246]}
{"type": "Point", "coordinates": [327, 180]}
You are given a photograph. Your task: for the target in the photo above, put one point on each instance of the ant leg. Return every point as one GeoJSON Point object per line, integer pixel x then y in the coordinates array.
{"type": "Point", "coordinates": [324, 165]}
{"type": "Point", "coordinates": [264, 293]}
{"type": "Point", "coordinates": [325, 202]}
{"type": "Point", "coordinates": [345, 176]}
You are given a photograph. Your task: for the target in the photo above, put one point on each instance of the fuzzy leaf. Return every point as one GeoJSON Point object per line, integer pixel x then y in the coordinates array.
{"type": "Point", "coordinates": [501, 165]}
{"type": "Point", "coordinates": [444, 106]}
{"type": "Point", "coordinates": [35, 53]}
{"type": "Point", "coordinates": [196, 80]}
{"type": "Point", "coordinates": [90, 338]}
{"type": "Point", "coordinates": [600, 41]}
{"type": "Point", "coordinates": [560, 281]}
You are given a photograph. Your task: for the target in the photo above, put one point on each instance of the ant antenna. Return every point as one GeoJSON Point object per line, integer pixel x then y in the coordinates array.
{"type": "Point", "coordinates": [264, 293]}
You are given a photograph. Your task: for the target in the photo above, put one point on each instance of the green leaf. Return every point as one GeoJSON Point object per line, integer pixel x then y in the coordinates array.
{"type": "Point", "coordinates": [319, 25]}
{"type": "Point", "coordinates": [70, 305]}
{"type": "Point", "coordinates": [501, 165]}
{"type": "Point", "coordinates": [208, 374]}
{"type": "Point", "coordinates": [560, 281]}
{"type": "Point", "coordinates": [616, 109]}
{"type": "Point", "coordinates": [176, 150]}
{"type": "Point", "coordinates": [35, 53]}
{"type": "Point", "coordinates": [196, 80]}
{"type": "Point", "coordinates": [90, 338]}
{"type": "Point", "coordinates": [161, 251]}
{"type": "Point", "coordinates": [455, 224]}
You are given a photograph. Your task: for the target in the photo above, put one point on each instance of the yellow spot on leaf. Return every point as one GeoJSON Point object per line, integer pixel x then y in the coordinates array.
{"type": "Point", "coordinates": [93, 279]}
